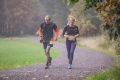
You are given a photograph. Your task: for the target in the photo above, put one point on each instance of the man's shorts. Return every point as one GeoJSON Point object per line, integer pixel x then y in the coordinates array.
{"type": "Point", "coordinates": [45, 44]}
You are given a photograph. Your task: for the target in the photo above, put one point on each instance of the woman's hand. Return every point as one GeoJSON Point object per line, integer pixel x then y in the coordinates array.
{"type": "Point", "coordinates": [67, 36]}
{"type": "Point", "coordinates": [76, 35]}
{"type": "Point", "coordinates": [73, 37]}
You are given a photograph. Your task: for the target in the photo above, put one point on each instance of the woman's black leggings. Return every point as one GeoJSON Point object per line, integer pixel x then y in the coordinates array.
{"type": "Point", "coordinates": [70, 45]}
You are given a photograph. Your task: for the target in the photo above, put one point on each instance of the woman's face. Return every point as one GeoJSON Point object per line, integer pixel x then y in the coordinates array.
{"type": "Point", "coordinates": [71, 21]}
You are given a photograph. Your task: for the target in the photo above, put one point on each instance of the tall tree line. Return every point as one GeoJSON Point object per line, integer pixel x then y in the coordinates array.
{"type": "Point", "coordinates": [19, 17]}
{"type": "Point", "coordinates": [1, 15]}
{"type": "Point", "coordinates": [57, 10]}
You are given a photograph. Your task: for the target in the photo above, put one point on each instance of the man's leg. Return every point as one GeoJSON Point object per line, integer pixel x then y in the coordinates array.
{"type": "Point", "coordinates": [48, 52]}
{"type": "Point", "coordinates": [47, 55]}
{"type": "Point", "coordinates": [45, 47]}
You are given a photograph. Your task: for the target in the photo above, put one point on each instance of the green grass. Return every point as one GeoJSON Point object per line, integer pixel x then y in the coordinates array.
{"type": "Point", "coordinates": [111, 74]}
{"type": "Point", "coordinates": [17, 53]}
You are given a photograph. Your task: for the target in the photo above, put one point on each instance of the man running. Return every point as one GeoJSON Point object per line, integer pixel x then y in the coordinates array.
{"type": "Point", "coordinates": [48, 33]}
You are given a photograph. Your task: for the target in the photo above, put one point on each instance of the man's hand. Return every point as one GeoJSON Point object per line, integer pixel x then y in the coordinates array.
{"type": "Point", "coordinates": [41, 39]}
{"type": "Point", "coordinates": [55, 39]}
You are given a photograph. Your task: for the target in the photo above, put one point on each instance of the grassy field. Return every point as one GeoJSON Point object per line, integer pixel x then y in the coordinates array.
{"type": "Point", "coordinates": [22, 52]}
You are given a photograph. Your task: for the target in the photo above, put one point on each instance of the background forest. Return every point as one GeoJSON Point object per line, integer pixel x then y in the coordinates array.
{"type": "Point", "coordinates": [21, 17]}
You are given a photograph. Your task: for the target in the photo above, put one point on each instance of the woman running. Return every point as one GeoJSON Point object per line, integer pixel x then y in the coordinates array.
{"type": "Point", "coordinates": [70, 32]}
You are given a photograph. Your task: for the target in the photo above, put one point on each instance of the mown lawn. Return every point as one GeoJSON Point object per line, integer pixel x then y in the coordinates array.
{"type": "Point", "coordinates": [22, 52]}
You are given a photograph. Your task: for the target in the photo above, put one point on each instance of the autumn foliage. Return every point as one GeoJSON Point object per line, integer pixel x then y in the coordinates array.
{"type": "Point", "coordinates": [109, 11]}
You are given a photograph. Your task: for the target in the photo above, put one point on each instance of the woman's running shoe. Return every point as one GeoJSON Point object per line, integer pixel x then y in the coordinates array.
{"type": "Point", "coordinates": [69, 66]}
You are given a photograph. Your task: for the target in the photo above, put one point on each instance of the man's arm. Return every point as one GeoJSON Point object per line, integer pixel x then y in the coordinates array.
{"type": "Point", "coordinates": [56, 33]}
{"type": "Point", "coordinates": [40, 32]}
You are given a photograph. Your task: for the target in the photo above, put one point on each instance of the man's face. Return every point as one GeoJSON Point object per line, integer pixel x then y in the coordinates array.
{"type": "Point", "coordinates": [47, 20]}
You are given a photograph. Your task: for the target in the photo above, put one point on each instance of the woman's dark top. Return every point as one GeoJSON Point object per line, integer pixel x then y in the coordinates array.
{"type": "Point", "coordinates": [70, 31]}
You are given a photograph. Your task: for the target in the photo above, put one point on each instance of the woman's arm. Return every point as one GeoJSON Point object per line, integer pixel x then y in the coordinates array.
{"type": "Point", "coordinates": [64, 32]}
{"type": "Point", "coordinates": [76, 35]}
{"type": "Point", "coordinates": [66, 36]}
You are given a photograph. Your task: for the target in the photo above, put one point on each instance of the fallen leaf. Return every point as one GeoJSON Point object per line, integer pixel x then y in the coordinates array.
{"type": "Point", "coordinates": [81, 76]}
{"type": "Point", "coordinates": [34, 79]}
{"type": "Point", "coordinates": [46, 76]}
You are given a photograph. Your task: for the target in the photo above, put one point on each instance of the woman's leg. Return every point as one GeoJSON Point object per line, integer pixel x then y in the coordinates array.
{"type": "Point", "coordinates": [68, 46]}
{"type": "Point", "coordinates": [73, 46]}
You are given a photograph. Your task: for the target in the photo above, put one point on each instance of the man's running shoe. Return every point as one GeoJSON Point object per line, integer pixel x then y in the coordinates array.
{"type": "Point", "coordinates": [48, 63]}
{"type": "Point", "coordinates": [46, 67]}
{"type": "Point", "coordinates": [50, 59]}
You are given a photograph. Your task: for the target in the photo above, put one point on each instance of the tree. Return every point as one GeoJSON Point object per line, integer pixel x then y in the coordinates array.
{"type": "Point", "coordinates": [1, 16]}
{"type": "Point", "coordinates": [22, 16]}
{"type": "Point", "coordinates": [84, 19]}
{"type": "Point", "coordinates": [58, 12]}
{"type": "Point", "coordinates": [109, 11]}
{"type": "Point", "coordinates": [19, 17]}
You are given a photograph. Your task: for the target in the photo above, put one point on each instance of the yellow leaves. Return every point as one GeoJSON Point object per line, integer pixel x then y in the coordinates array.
{"type": "Point", "coordinates": [99, 4]}
{"type": "Point", "coordinates": [99, 7]}
{"type": "Point", "coordinates": [103, 14]}
{"type": "Point", "coordinates": [105, 8]}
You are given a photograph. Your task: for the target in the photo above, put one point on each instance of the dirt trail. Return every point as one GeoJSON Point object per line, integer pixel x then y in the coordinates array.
{"type": "Point", "coordinates": [85, 62]}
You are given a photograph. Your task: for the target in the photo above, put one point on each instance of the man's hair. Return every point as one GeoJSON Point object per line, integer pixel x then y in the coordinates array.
{"type": "Point", "coordinates": [47, 16]}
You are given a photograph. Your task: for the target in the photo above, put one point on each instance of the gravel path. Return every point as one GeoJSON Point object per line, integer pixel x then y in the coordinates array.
{"type": "Point", "coordinates": [85, 62]}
